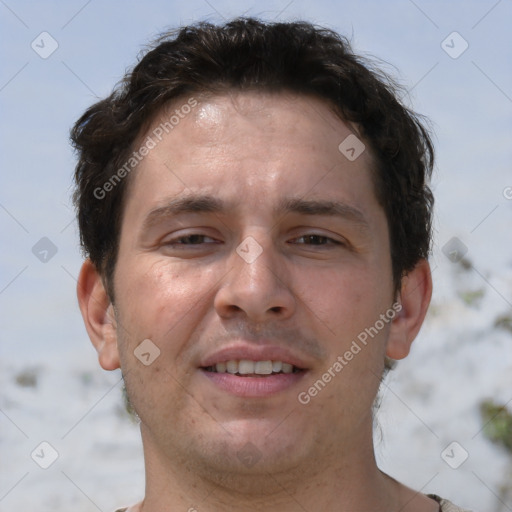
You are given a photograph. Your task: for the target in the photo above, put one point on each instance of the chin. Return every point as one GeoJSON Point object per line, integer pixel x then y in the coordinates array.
{"type": "Point", "coordinates": [254, 448]}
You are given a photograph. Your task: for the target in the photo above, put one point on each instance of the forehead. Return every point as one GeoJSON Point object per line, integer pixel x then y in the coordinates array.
{"type": "Point", "coordinates": [298, 120]}
{"type": "Point", "coordinates": [244, 143]}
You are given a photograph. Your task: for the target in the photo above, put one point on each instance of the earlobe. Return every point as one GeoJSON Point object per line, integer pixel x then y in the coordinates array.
{"type": "Point", "coordinates": [97, 312]}
{"type": "Point", "coordinates": [415, 295]}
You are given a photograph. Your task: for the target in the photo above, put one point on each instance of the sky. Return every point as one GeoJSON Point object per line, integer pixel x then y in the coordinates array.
{"type": "Point", "coordinates": [60, 57]}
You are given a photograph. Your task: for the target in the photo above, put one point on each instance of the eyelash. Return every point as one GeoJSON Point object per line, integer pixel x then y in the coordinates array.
{"type": "Point", "coordinates": [328, 240]}
{"type": "Point", "coordinates": [178, 241]}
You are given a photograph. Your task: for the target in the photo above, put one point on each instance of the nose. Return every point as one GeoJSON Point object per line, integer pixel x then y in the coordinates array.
{"type": "Point", "coordinates": [257, 285]}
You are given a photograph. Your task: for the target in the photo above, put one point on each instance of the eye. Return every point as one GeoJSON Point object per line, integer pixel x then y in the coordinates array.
{"type": "Point", "coordinates": [313, 239]}
{"type": "Point", "coordinates": [194, 239]}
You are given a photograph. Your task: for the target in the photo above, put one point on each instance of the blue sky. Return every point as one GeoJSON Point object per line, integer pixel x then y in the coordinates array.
{"type": "Point", "coordinates": [467, 98]}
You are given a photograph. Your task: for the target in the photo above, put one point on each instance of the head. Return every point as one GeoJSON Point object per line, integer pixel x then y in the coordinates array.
{"type": "Point", "coordinates": [218, 206]}
{"type": "Point", "coordinates": [248, 55]}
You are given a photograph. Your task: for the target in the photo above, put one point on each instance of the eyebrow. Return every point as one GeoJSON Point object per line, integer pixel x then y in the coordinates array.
{"type": "Point", "coordinates": [187, 204]}
{"type": "Point", "coordinates": [323, 207]}
{"type": "Point", "coordinates": [211, 204]}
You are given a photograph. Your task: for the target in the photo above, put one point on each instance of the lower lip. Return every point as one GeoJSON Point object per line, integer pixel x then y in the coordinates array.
{"type": "Point", "coordinates": [254, 386]}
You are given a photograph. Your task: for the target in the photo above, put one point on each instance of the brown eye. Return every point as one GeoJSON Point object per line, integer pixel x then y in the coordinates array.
{"type": "Point", "coordinates": [316, 240]}
{"type": "Point", "coordinates": [194, 239]}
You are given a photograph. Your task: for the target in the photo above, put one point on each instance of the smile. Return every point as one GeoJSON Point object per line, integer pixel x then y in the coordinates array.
{"type": "Point", "coordinates": [245, 367]}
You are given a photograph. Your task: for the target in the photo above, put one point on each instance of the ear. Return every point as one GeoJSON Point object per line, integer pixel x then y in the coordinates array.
{"type": "Point", "coordinates": [98, 314]}
{"type": "Point", "coordinates": [415, 294]}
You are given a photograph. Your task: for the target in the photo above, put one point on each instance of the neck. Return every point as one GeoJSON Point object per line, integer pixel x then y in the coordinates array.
{"type": "Point", "coordinates": [347, 479]}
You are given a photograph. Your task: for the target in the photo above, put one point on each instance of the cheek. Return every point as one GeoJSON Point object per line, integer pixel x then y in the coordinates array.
{"type": "Point", "coordinates": [158, 302]}
{"type": "Point", "coordinates": [346, 306]}
{"type": "Point", "coordinates": [156, 296]}
{"type": "Point", "coordinates": [342, 301]}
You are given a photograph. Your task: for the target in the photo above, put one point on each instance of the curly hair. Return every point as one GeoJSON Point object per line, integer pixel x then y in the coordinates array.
{"type": "Point", "coordinates": [248, 54]}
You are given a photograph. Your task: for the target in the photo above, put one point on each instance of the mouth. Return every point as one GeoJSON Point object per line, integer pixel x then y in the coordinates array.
{"type": "Point", "coordinates": [248, 368]}
{"type": "Point", "coordinates": [253, 379]}
{"type": "Point", "coordinates": [253, 371]}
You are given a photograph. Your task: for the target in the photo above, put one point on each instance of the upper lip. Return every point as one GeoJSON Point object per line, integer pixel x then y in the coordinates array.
{"type": "Point", "coordinates": [253, 352]}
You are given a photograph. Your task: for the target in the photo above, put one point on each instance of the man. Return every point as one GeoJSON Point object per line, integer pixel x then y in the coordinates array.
{"type": "Point", "coordinates": [254, 207]}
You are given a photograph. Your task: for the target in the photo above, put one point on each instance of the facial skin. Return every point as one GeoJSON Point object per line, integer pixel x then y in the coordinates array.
{"type": "Point", "coordinates": [319, 281]}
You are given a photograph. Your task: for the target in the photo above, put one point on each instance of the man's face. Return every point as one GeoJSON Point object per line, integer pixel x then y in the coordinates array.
{"type": "Point", "coordinates": [247, 235]}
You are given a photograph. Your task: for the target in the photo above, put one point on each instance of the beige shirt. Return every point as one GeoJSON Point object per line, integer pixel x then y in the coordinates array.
{"type": "Point", "coordinates": [444, 506]}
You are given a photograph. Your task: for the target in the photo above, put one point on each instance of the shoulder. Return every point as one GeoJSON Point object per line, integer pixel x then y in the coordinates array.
{"type": "Point", "coordinates": [446, 506]}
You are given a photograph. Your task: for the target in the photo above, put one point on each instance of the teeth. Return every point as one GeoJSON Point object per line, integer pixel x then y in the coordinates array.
{"type": "Point", "coordinates": [221, 367]}
{"type": "Point", "coordinates": [287, 368]}
{"type": "Point", "coordinates": [263, 367]}
{"type": "Point", "coordinates": [232, 366]}
{"type": "Point", "coordinates": [246, 367]}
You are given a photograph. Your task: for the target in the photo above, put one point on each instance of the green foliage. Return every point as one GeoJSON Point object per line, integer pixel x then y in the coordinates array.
{"type": "Point", "coordinates": [472, 297]}
{"type": "Point", "coordinates": [504, 322]}
{"type": "Point", "coordinates": [497, 423]}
